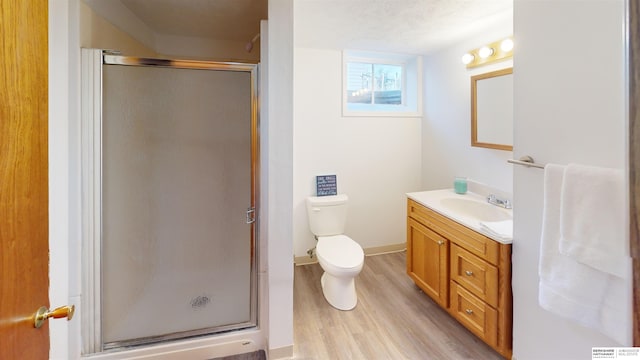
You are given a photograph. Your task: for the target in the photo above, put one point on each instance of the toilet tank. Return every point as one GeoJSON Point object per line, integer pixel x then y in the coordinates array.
{"type": "Point", "coordinates": [327, 214]}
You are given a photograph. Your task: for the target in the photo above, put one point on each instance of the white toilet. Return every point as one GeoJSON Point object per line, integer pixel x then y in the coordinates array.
{"type": "Point", "coordinates": [340, 257]}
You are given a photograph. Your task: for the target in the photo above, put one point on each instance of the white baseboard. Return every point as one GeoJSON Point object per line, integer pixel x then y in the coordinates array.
{"type": "Point", "coordinates": [281, 353]}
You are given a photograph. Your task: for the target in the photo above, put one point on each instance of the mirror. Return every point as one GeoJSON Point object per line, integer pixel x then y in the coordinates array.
{"type": "Point", "coordinates": [492, 110]}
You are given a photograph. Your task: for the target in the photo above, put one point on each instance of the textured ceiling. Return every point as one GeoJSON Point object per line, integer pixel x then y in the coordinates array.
{"type": "Point", "coordinates": [410, 26]}
{"type": "Point", "coordinates": [404, 26]}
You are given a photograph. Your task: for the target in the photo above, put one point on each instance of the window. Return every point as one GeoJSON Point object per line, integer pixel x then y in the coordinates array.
{"type": "Point", "coordinates": [381, 84]}
{"type": "Point", "coordinates": [374, 83]}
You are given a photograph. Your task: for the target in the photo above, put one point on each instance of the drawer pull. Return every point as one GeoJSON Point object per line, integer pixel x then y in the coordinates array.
{"type": "Point", "coordinates": [469, 311]}
{"type": "Point", "coordinates": [440, 242]}
{"type": "Point", "coordinates": [469, 272]}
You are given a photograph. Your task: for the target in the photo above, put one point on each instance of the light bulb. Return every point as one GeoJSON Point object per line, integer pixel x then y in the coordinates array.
{"type": "Point", "coordinates": [506, 45]}
{"type": "Point", "coordinates": [485, 52]}
{"type": "Point", "coordinates": [467, 58]}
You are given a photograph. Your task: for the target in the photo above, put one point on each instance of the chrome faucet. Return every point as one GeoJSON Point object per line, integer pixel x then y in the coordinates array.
{"type": "Point", "coordinates": [494, 200]}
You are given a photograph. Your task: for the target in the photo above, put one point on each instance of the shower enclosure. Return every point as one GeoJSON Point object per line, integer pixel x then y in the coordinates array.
{"type": "Point", "coordinates": [169, 169]}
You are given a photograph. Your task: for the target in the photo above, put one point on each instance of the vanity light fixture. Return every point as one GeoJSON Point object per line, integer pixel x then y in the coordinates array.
{"type": "Point", "coordinates": [485, 52]}
{"type": "Point", "coordinates": [467, 58]}
{"type": "Point", "coordinates": [489, 53]}
{"type": "Point", "coordinates": [506, 45]}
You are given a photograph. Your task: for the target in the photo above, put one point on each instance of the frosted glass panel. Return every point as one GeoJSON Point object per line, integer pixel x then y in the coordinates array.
{"type": "Point", "coordinates": [176, 186]}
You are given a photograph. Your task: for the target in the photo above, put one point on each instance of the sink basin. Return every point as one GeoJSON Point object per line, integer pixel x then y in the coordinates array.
{"type": "Point", "coordinates": [475, 209]}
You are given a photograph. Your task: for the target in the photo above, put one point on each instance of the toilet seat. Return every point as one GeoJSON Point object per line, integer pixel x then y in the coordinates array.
{"type": "Point", "coordinates": [340, 251]}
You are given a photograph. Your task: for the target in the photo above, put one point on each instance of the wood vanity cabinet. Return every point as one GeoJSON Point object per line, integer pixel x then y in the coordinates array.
{"type": "Point", "coordinates": [465, 272]}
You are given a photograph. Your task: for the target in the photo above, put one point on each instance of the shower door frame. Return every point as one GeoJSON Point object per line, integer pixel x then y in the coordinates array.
{"type": "Point", "coordinates": [93, 61]}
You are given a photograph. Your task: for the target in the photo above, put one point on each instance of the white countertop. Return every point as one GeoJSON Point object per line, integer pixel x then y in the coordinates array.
{"type": "Point", "coordinates": [433, 200]}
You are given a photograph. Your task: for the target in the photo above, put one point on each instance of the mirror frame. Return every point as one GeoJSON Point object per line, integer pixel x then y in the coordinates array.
{"type": "Point", "coordinates": [474, 107]}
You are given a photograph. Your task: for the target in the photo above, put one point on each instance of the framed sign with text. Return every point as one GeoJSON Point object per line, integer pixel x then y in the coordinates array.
{"type": "Point", "coordinates": [326, 185]}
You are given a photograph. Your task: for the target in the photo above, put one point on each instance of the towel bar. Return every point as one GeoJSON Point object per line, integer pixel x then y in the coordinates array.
{"type": "Point", "coordinates": [526, 161]}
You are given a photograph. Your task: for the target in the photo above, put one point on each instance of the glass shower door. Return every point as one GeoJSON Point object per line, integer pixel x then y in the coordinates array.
{"type": "Point", "coordinates": [177, 179]}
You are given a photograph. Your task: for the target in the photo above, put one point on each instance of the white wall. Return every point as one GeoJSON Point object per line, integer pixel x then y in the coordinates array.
{"type": "Point", "coordinates": [111, 25]}
{"type": "Point", "coordinates": [569, 87]}
{"type": "Point", "coordinates": [203, 48]}
{"type": "Point", "coordinates": [376, 159]}
{"type": "Point", "coordinates": [446, 128]}
{"type": "Point", "coordinates": [98, 33]}
{"type": "Point", "coordinates": [64, 240]}
{"type": "Point", "coordinates": [279, 157]}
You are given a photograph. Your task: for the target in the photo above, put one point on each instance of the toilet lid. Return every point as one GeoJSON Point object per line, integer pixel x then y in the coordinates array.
{"type": "Point", "coordinates": [340, 251]}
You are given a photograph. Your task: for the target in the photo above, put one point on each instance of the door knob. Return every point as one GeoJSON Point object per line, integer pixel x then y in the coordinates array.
{"type": "Point", "coordinates": [43, 314]}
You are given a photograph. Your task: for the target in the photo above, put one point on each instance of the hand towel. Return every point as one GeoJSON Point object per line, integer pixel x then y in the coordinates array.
{"type": "Point", "coordinates": [592, 218]}
{"type": "Point", "coordinates": [501, 229]}
{"type": "Point", "coordinates": [573, 290]}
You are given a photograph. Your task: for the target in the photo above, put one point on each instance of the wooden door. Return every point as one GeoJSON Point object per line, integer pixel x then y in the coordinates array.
{"type": "Point", "coordinates": [24, 260]}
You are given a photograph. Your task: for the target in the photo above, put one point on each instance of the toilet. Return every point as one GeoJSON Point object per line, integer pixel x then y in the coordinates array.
{"type": "Point", "coordinates": [340, 257]}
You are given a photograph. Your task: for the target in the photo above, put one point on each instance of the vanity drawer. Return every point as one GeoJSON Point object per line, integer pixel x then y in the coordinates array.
{"type": "Point", "coordinates": [474, 274]}
{"type": "Point", "coordinates": [420, 213]}
{"type": "Point", "coordinates": [472, 241]}
{"type": "Point", "coordinates": [474, 314]}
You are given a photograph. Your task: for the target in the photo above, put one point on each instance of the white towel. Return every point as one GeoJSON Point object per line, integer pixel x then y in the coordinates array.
{"type": "Point", "coordinates": [500, 229]}
{"type": "Point", "coordinates": [568, 288]}
{"type": "Point", "coordinates": [592, 218]}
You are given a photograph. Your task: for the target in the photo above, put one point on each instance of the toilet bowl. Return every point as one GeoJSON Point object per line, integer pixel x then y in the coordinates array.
{"type": "Point", "coordinates": [340, 257]}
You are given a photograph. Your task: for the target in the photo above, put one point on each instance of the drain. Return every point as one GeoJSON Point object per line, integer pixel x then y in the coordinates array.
{"type": "Point", "coordinates": [200, 302]}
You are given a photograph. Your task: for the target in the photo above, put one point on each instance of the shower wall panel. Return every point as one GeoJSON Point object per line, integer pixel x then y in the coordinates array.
{"type": "Point", "coordinates": [176, 186]}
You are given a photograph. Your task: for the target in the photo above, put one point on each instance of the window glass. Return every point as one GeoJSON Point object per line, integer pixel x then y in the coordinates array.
{"type": "Point", "coordinates": [369, 83]}
{"type": "Point", "coordinates": [387, 84]}
{"type": "Point", "coordinates": [381, 84]}
{"type": "Point", "coordinates": [359, 83]}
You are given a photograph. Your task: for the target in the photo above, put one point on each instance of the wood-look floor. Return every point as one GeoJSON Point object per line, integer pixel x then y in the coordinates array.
{"type": "Point", "coordinates": [394, 319]}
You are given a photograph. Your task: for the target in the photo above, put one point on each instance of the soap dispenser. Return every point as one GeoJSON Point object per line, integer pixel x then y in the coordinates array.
{"type": "Point", "coordinates": [460, 185]}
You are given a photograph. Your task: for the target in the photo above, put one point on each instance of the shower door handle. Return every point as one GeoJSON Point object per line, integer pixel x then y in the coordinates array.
{"type": "Point", "coordinates": [251, 215]}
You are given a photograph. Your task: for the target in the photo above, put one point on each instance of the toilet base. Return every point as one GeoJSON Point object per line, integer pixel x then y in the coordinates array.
{"type": "Point", "coordinates": [339, 292]}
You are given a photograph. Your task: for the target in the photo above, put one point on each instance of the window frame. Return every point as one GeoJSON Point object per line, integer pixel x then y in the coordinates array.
{"type": "Point", "coordinates": [411, 98]}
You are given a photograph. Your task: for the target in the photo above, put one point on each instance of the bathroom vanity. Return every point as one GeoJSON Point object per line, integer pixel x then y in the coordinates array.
{"type": "Point", "coordinates": [464, 270]}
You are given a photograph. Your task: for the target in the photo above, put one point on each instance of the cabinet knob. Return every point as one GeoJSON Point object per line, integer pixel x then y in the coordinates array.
{"type": "Point", "coordinates": [469, 272]}
{"type": "Point", "coordinates": [469, 311]}
{"type": "Point", "coordinates": [440, 242]}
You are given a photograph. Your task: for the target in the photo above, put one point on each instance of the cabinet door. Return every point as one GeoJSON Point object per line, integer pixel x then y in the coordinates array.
{"type": "Point", "coordinates": [427, 254]}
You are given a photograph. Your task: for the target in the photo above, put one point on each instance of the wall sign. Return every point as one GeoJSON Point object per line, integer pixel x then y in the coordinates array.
{"type": "Point", "coordinates": [326, 185]}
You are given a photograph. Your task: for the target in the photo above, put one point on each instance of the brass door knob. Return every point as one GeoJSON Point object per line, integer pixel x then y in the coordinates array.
{"type": "Point", "coordinates": [61, 312]}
